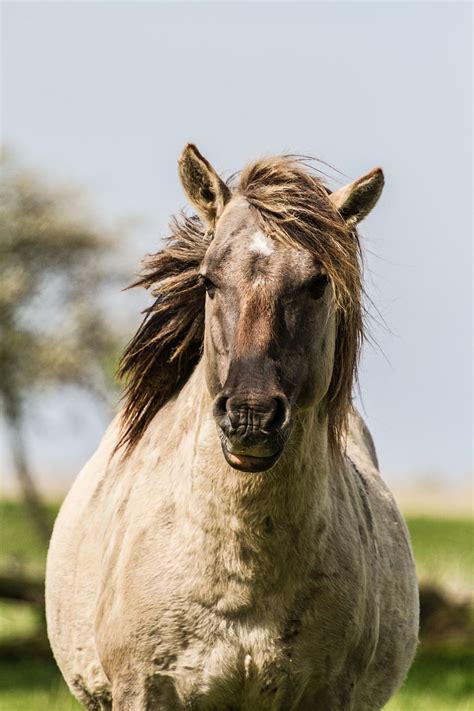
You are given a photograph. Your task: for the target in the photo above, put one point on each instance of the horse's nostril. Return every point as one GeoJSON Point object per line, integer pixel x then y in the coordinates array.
{"type": "Point", "coordinates": [281, 415]}
{"type": "Point", "coordinates": [251, 414]}
{"type": "Point", "coordinates": [219, 408]}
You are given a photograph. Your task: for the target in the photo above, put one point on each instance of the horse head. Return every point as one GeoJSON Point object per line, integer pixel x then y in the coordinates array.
{"type": "Point", "coordinates": [283, 310]}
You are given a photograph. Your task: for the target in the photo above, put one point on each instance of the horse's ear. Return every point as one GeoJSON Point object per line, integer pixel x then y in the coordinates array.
{"type": "Point", "coordinates": [356, 200]}
{"type": "Point", "coordinates": [206, 191]}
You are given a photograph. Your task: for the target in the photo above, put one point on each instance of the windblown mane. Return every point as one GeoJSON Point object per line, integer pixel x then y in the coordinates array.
{"type": "Point", "coordinates": [291, 204]}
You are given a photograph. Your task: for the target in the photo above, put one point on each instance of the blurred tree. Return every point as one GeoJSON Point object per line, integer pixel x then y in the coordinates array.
{"type": "Point", "coordinates": [53, 327]}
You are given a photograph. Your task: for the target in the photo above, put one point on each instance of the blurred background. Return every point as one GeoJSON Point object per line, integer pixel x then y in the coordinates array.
{"type": "Point", "coordinates": [98, 100]}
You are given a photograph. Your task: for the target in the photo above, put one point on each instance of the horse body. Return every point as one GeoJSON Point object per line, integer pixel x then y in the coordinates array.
{"type": "Point", "coordinates": [177, 579]}
{"type": "Point", "coordinates": [190, 598]}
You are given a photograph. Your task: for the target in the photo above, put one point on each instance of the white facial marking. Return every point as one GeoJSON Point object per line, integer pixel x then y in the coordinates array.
{"type": "Point", "coordinates": [261, 244]}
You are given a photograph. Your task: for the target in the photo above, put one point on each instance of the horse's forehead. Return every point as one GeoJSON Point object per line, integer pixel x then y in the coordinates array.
{"type": "Point", "coordinates": [240, 241]}
{"type": "Point", "coordinates": [238, 216]}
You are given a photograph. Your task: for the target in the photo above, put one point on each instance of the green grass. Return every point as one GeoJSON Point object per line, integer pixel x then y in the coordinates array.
{"type": "Point", "coordinates": [17, 620]}
{"type": "Point", "coordinates": [444, 550]}
{"type": "Point", "coordinates": [34, 685]}
{"type": "Point", "coordinates": [21, 548]}
{"type": "Point", "coordinates": [441, 679]}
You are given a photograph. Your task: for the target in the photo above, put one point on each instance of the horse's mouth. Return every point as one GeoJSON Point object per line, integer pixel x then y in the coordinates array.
{"type": "Point", "coordinates": [249, 463]}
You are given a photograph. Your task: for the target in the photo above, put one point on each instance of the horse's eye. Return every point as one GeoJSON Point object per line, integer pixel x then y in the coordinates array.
{"type": "Point", "coordinates": [208, 285]}
{"type": "Point", "coordinates": [318, 285]}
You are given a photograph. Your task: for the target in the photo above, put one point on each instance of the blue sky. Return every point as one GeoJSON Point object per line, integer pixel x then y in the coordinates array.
{"type": "Point", "coordinates": [105, 95]}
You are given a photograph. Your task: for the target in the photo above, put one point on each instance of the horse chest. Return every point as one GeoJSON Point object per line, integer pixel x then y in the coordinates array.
{"type": "Point", "coordinates": [237, 666]}
{"type": "Point", "coordinates": [210, 642]}
{"type": "Point", "coordinates": [269, 661]}
{"type": "Point", "coordinates": [241, 667]}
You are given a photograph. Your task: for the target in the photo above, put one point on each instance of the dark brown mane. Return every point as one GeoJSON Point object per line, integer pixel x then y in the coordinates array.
{"type": "Point", "coordinates": [167, 346]}
{"type": "Point", "coordinates": [291, 204]}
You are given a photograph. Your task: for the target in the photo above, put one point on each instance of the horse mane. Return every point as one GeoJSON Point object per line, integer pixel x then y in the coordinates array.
{"type": "Point", "coordinates": [168, 344]}
{"type": "Point", "coordinates": [290, 202]}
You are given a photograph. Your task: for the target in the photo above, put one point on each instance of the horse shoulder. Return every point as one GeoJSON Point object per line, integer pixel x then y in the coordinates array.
{"type": "Point", "coordinates": [72, 576]}
{"type": "Point", "coordinates": [360, 445]}
{"type": "Point", "coordinates": [398, 610]}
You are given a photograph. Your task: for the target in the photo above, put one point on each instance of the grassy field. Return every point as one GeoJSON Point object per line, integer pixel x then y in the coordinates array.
{"type": "Point", "coordinates": [441, 678]}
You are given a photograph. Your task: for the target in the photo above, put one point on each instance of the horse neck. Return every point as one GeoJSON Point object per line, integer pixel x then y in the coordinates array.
{"type": "Point", "coordinates": [289, 500]}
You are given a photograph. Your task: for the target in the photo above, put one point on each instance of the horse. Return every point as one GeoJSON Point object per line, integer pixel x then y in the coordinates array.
{"type": "Point", "coordinates": [231, 544]}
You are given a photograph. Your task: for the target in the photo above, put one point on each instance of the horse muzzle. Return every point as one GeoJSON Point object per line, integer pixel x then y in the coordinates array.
{"type": "Point", "coordinates": [253, 429]}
